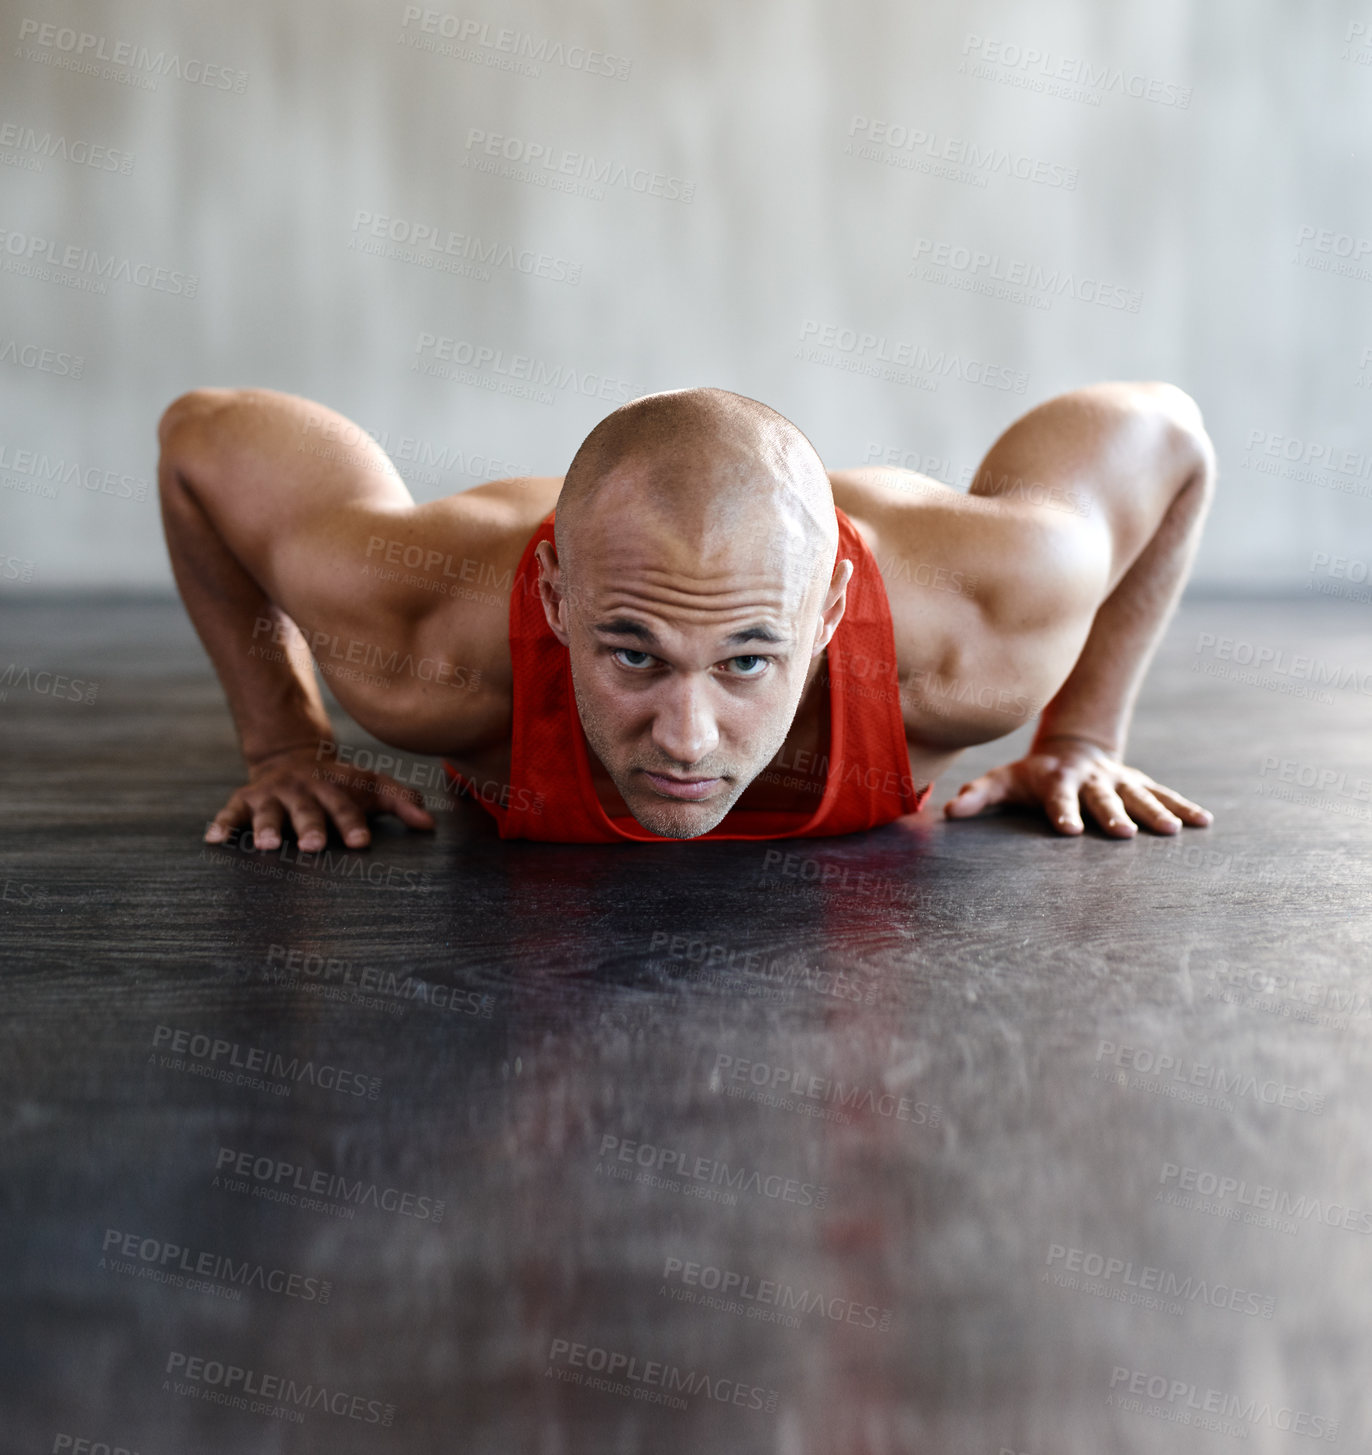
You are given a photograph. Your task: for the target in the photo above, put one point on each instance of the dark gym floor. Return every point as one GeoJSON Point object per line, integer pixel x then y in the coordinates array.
{"type": "Point", "coordinates": [955, 1139]}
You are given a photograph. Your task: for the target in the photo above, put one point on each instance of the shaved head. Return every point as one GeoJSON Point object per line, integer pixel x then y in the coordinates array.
{"type": "Point", "coordinates": [711, 466]}
{"type": "Point", "coordinates": [693, 578]}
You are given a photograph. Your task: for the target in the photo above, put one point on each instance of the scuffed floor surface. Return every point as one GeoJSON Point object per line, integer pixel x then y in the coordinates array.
{"type": "Point", "coordinates": [950, 1139]}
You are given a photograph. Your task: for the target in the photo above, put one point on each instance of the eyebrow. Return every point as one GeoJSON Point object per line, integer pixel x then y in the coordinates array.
{"type": "Point", "coordinates": [621, 626]}
{"type": "Point", "coordinates": [758, 633]}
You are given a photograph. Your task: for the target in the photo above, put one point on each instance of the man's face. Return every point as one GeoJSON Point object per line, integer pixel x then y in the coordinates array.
{"type": "Point", "coordinates": [688, 657]}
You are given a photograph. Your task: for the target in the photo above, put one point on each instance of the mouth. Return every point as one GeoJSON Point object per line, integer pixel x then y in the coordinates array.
{"type": "Point", "coordinates": [688, 789]}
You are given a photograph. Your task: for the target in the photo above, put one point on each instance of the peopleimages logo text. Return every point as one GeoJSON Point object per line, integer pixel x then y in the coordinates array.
{"type": "Point", "coordinates": [233, 1383]}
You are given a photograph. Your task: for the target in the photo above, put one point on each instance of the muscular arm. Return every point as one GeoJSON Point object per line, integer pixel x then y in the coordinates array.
{"type": "Point", "coordinates": [273, 695]}
{"type": "Point", "coordinates": [1151, 506]}
{"type": "Point", "coordinates": [1045, 590]}
{"type": "Point", "coordinates": [270, 504]}
{"type": "Point", "coordinates": [1136, 463]}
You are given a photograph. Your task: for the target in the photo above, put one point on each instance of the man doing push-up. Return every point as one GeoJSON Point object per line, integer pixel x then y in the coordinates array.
{"type": "Point", "coordinates": [698, 631]}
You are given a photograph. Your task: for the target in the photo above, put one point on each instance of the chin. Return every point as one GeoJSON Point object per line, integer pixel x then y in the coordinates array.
{"type": "Point", "coordinates": [681, 820]}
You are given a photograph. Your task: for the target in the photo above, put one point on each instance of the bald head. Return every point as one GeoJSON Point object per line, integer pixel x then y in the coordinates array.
{"type": "Point", "coordinates": [714, 468]}
{"type": "Point", "coordinates": [693, 579]}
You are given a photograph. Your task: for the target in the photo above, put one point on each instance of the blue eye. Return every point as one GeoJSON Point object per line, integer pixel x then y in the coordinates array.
{"type": "Point", "coordinates": [748, 666]}
{"type": "Point", "coordinates": [627, 657]}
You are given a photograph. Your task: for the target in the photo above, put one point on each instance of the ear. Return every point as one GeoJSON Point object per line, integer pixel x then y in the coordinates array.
{"type": "Point", "coordinates": [835, 603]}
{"type": "Point", "coordinates": [551, 590]}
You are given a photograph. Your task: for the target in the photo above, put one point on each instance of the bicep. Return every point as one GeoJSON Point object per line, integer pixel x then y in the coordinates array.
{"type": "Point", "coordinates": [316, 514]}
{"type": "Point", "coordinates": [985, 653]}
{"type": "Point", "coordinates": [413, 654]}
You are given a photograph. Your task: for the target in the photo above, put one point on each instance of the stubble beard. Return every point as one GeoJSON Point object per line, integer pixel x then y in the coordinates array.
{"type": "Point", "coordinates": [671, 818]}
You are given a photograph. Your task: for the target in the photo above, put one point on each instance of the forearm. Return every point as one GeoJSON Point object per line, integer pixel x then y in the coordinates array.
{"type": "Point", "coordinates": [271, 688]}
{"type": "Point", "coordinates": [1096, 702]}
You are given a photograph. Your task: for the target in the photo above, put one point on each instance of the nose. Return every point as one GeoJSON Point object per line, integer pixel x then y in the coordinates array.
{"type": "Point", "coordinates": [684, 728]}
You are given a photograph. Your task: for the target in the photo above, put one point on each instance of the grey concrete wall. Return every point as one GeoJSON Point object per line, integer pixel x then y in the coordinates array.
{"type": "Point", "coordinates": [474, 231]}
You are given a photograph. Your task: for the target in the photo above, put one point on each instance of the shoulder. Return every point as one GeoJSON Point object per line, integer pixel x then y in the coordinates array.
{"type": "Point", "coordinates": [452, 565]}
{"type": "Point", "coordinates": [1029, 558]}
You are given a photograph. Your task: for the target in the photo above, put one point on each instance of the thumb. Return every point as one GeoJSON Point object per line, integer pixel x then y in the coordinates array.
{"type": "Point", "coordinates": [385, 795]}
{"type": "Point", "coordinates": [981, 793]}
{"type": "Point", "coordinates": [411, 812]}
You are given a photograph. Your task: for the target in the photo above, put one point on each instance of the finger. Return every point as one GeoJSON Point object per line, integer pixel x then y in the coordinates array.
{"type": "Point", "coordinates": [1145, 808]}
{"type": "Point", "coordinates": [405, 803]}
{"type": "Point", "coordinates": [351, 821]}
{"type": "Point", "coordinates": [1063, 810]}
{"type": "Point", "coordinates": [307, 819]}
{"type": "Point", "coordinates": [266, 825]}
{"type": "Point", "coordinates": [1184, 809]}
{"type": "Point", "coordinates": [232, 816]}
{"type": "Point", "coordinates": [1108, 811]}
{"type": "Point", "coordinates": [981, 793]}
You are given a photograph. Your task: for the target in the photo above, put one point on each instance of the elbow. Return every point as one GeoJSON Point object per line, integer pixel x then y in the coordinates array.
{"type": "Point", "coordinates": [188, 410]}
{"type": "Point", "coordinates": [1189, 444]}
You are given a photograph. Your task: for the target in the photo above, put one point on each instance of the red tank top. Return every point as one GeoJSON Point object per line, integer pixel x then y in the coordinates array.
{"type": "Point", "coordinates": [551, 795]}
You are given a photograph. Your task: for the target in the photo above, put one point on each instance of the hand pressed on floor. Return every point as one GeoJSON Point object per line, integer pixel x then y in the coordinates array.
{"type": "Point", "coordinates": [296, 784]}
{"type": "Point", "coordinates": [1065, 775]}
